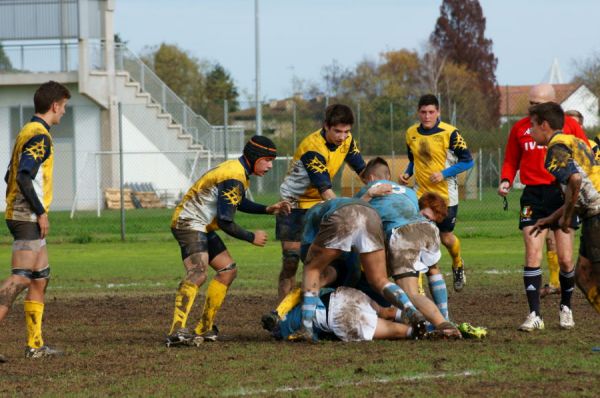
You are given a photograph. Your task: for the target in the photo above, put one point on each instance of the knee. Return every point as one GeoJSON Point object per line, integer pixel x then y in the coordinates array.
{"type": "Point", "coordinates": [289, 264]}
{"type": "Point", "coordinates": [227, 274]}
{"type": "Point", "coordinates": [196, 274]}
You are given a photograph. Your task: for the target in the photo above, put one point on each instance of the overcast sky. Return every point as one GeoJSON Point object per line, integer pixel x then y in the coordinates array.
{"type": "Point", "coordinates": [299, 37]}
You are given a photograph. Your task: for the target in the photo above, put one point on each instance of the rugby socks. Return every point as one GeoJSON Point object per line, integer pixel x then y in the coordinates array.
{"type": "Point", "coordinates": [215, 295]}
{"type": "Point", "coordinates": [532, 277]}
{"type": "Point", "coordinates": [292, 299]}
{"type": "Point", "coordinates": [309, 309]}
{"type": "Point", "coordinates": [593, 296]}
{"type": "Point", "coordinates": [439, 292]}
{"type": "Point", "coordinates": [396, 296]}
{"type": "Point", "coordinates": [567, 285]}
{"type": "Point", "coordinates": [34, 310]}
{"type": "Point", "coordinates": [454, 251]}
{"type": "Point", "coordinates": [184, 299]}
{"type": "Point", "coordinates": [420, 284]}
{"type": "Point", "coordinates": [553, 268]}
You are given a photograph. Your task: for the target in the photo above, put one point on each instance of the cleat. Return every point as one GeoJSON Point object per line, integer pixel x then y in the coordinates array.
{"type": "Point", "coordinates": [469, 331]}
{"type": "Point", "coordinates": [303, 334]}
{"type": "Point", "coordinates": [532, 323]}
{"type": "Point", "coordinates": [208, 336]}
{"type": "Point", "coordinates": [547, 290]}
{"type": "Point", "coordinates": [419, 330]}
{"type": "Point", "coordinates": [42, 352]}
{"type": "Point", "coordinates": [269, 321]}
{"type": "Point", "coordinates": [566, 317]}
{"type": "Point", "coordinates": [459, 277]}
{"type": "Point", "coordinates": [2, 358]}
{"type": "Point", "coordinates": [181, 337]}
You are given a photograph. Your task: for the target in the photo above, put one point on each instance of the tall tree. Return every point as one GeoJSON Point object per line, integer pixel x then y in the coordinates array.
{"type": "Point", "coordinates": [219, 87]}
{"type": "Point", "coordinates": [459, 34]}
{"type": "Point", "coordinates": [588, 73]}
{"type": "Point", "coordinates": [5, 64]}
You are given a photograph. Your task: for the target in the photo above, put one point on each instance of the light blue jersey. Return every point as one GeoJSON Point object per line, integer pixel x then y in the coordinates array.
{"type": "Point", "coordinates": [397, 209]}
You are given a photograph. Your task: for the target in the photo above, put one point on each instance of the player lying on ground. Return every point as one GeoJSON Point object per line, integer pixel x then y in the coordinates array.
{"type": "Point", "coordinates": [343, 224]}
{"type": "Point", "coordinates": [211, 204]}
{"type": "Point", "coordinates": [412, 239]}
{"type": "Point", "coordinates": [572, 163]}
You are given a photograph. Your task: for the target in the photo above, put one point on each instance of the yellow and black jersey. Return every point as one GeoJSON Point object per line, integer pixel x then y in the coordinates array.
{"type": "Point", "coordinates": [315, 164]}
{"type": "Point", "coordinates": [212, 201]}
{"type": "Point", "coordinates": [595, 143]}
{"type": "Point", "coordinates": [439, 149]}
{"type": "Point", "coordinates": [29, 175]}
{"type": "Point", "coordinates": [569, 155]}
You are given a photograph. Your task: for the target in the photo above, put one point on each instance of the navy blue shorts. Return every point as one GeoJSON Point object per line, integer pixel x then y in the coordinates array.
{"type": "Point", "coordinates": [289, 228]}
{"type": "Point", "coordinates": [191, 242]}
{"type": "Point", "coordinates": [539, 201]}
{"type": "Point", "coordinates": [448, 223]}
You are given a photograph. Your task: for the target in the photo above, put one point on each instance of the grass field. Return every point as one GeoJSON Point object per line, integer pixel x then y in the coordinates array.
{"type": "Point", "coordinates": [110, 303]}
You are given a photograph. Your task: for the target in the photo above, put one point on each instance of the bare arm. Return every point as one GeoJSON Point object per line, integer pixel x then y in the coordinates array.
{"type": "Point", "coordinates": [571, 195]}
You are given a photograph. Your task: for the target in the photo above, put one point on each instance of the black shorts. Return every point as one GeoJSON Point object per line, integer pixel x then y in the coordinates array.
{"type": "Point", "coordinates": [539, 201]}
{"type": "Point", "coordinates": [191, 242]}
{"type": "Point", "coordinates": [589, 242]}
{"type": "Point", "coordinates": [24, 230]}
{"type": "Point", "coordinates": [448, 223]}
{"type": "Point", "coordinates": [289, 228]}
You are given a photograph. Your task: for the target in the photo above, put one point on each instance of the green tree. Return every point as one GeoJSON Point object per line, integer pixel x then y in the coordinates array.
{"type": "Point", "coordinates": [588, 73]}
{"type": "Point", "coordinates": [219, 86]}
{"type": "Point", "coordinates": [5, 64]}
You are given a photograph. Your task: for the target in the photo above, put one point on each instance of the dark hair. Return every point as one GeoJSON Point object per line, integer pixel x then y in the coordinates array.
{"type": "Point", "coordinates": [436, 203]}
{"type": "Point", "coordinates": [428, 99]}
{"type": "Point", "coordinates": [550, 112]}
{"type": "Point", "coordinates": [47, 94]}
{"type": "Point", "coordinates": [575, 114]}
{"type": "Point", "coordinates": [338, 114]}
{"type": "Point", "coordinates": [377, 167]}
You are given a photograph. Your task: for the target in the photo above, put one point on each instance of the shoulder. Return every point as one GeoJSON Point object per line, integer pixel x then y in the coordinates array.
{"type": "Point", "coordinates": [447, 127]}
{"type": "Point", "coordinates": [412, 129]}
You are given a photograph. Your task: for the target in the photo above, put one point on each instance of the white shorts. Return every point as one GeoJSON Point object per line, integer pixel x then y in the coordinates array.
{"type": "Point", "coordinates": [351, 315]}
{"type": "Point", "coordinates": [413, 248]}
{"type": "Point", "coordinates": [352, 226]}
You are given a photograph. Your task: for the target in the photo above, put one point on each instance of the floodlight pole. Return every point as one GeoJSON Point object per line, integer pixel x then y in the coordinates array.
{"type": "Point", "coordinates": [257, 79]}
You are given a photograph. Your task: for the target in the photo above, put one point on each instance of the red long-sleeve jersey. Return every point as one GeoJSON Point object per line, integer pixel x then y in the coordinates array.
{"type": "Point", "coordinates": [522, 153]}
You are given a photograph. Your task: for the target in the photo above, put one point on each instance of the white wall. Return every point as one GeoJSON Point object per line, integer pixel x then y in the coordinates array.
{"type": "Point", "coordinates": [584, 101]}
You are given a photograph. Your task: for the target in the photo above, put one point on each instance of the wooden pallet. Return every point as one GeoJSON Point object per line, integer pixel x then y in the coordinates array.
{"type": "Point", "coordinates": [112, 197]}
{"type": "Point", "coordinates": [149, 200]}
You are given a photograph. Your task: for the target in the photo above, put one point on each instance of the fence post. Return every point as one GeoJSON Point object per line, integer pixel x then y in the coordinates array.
{"type": "Point", "coordinates": [480, 173]}
{"type": "Point", "coordinates": [98, 188]}
{"type": "Point", "coordinates": [121, 177]}
{"type": "Point", "coordinates": [225, 132]}
{"type": "Point", "coordinates": [142, 76]}
{"type": "Point", "coordinates": [392, 132]}
{"type": "Point", "coordinates": [294, 126]}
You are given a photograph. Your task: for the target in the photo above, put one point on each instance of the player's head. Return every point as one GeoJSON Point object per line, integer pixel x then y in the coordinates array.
{"type": "Point", "coordinates": [541, 93]}
{"type": "Point", "coordinates": [50, 100]}
{"type": "Point", "coordinates": [428, 110]}
{"type": "Point", "coordinates": [376, 169]}
{"type": "Point", "coordinates": [545, 118]}
{"type": "Point", "coordinates": [433, 206]}
{"type": "Point", "coordinates": [260, 152]}
{"type": "Point", "coordinates": [576, 115]}
{"type": "Point", "coordinates": [338, 123]}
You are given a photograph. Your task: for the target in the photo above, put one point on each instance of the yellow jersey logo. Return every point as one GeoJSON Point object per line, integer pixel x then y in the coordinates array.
{"type": "Point", "coordinates": [460, 142]}
{"type": "Point", "coordinates": [233, 196]}
{"type": "Point", "coordinates": [317, 166]}
{"type": "Point", "coordinates": [37, 151]}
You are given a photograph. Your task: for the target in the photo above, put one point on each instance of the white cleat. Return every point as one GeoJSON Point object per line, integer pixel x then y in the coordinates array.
{"type": "Point", "coordinates": [566, 317]}
{"type": "Point", "coordinates": [532, 323]}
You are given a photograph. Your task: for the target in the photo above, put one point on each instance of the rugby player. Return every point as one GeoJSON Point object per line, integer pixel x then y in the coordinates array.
{"type": "Point", "coordinates": [28, 198]}
{"type": "Point", "coordinates": [309, 180]}
{"type": "Point", "coordinates": [437, 153]}
{"type": "Point", "coordinates": [571, 161]}
{"type": "Point", "coordinates": [210, 204]}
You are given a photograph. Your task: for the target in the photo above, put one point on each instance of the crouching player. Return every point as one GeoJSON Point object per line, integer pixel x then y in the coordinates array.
{"type": "Point", "coordinates": [345, 224]}
{"type": "Point", "coordinates": [211, 204]}
{"type": "Point", "coordinates": [349, 315]}
{"type": "Point", "coordinates": [412, 240]}
{"type": "Point", "coordinates": [572, 163]}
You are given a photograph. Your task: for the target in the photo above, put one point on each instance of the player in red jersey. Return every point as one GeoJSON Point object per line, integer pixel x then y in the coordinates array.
{"type": "Point", "coordinates": [540, 198]}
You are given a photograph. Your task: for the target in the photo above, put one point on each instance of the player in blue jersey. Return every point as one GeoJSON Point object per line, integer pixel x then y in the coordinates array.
{"type": "Point", "coordinates": [412, 240]}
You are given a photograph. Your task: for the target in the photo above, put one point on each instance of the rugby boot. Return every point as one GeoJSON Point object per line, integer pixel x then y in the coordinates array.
{"type": "Point", "coordinates": [469, 331]}
{"type": "Point", "coordinates": [42, 352]}
{"type": "Point", "coordinates": [2, 358]}
{"type": "Point", "coordinates": [270, 320]}
{"type": "Point", "coordinates": [566, 317]}
{"type": "Point", "coordinates": [180, 337]}
{"type": "Point", "coordinates": [208, 336]}
{"type": "Point", "coordinates": [533, 322]}
{"type": "Point", "coordinates": [459, 277]}
{"type": "Point", "coordinates": [303, 334]}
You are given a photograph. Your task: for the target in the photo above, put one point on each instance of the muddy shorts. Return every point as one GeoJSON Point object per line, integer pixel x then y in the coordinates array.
{"type": "Point", "coordinates": [24, 230]}
{"type": "Point", "coordinates": [289, 227]}
{"type": "Point", "coordinates": [191, 242]}
{"type": "Point", "coordinates": [351, 315]}
{"type": "Point", "coordinates": [589, 243]}
{"type": "Point", "coordinates": [352, 226]}
{"type": "Point", "coordinates": [539, 201]}
{"type": "Point", "coordinates": [413, 248]}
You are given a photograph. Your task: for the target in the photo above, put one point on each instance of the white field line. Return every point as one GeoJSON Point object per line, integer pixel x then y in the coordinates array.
{"type": "Point", "coordinates": [421, 376]}
{"type": "Point", "coordinates": [111, 285]}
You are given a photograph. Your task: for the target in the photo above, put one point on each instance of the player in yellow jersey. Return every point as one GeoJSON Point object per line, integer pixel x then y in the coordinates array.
{"type": "Point", "coordinates": [210, 204]}
{"type": "Point", "coordinates": [437, 153]}
{"type": "Point", "coordinates": [572, 163]}
{"type": "Point", "coordinates": [28, 198]}
{"type": "Point", "coordinates": [309, 180]}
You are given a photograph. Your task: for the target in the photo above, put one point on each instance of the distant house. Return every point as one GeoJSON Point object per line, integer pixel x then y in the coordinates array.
{"type": "Point", "coordinates": [514, 102]}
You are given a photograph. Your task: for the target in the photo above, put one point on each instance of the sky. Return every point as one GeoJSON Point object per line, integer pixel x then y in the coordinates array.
{"type": "Point", "coordinates": [299, 37]}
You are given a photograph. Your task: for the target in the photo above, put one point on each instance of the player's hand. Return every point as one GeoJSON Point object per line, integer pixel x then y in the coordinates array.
{"type": "Point", "coordinates": [565, 223]}
{"type": "Point", "coordinates": [44, 225]}
{"type": "Point", "coordinates": [260, 238]}
{"type": "Point", "coordinates": [504, 188]}
{"type": "Point", "coordinates": [436, 177]}
{"type": "Point", "coordinates": [404, 179]}
{"type": "Point", "coordinates": [540, 225]}
{"type": "Point", "coordinates": [379, 190]}
{"type": "Point", "coordinates": [284, 208]}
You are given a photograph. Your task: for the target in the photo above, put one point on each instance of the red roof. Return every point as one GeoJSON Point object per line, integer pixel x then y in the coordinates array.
{"type": "Point", "coordinates": [514, 100]}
